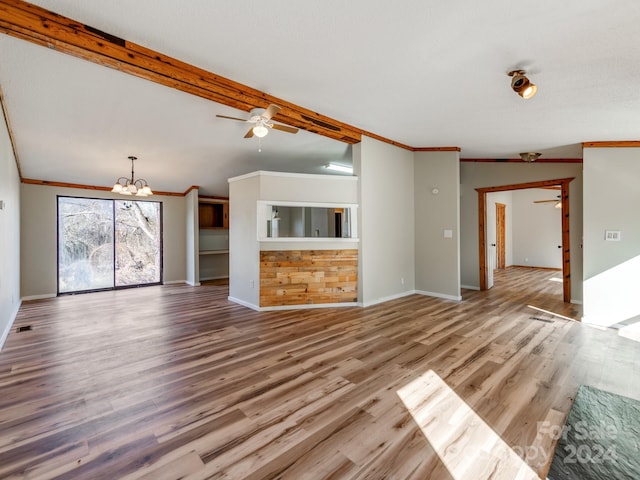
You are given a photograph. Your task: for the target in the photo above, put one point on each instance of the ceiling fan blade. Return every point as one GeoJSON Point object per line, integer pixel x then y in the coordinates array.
{"type": "Point", "coordinates": [270, 111]}
{"type": "Point", "coordinates": [249, 133]}
{"type": "Point", "coordinates": [232, 118]}
{"type": "Point", "coordinates": [284, 128]}
{"type": "Point", "coordinates": [545, 201]}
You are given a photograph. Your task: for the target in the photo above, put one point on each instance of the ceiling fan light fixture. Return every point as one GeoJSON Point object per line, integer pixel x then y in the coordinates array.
{"type": "Point", "coordinates": [260, 130]}
{"type": "Point", "coordinates": [522, 85]}
{"type": "Point", "coordinates": [529, 156]}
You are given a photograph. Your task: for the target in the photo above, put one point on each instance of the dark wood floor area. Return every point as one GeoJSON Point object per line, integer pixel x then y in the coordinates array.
{"type": "Point", "coordinates": [176, 382]}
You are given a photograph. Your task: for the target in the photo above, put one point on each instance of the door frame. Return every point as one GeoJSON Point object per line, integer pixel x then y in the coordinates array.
{"type": "Point", "coordinates": [500, 235]}
{"type": "Point", "coordinates": [563, 183]}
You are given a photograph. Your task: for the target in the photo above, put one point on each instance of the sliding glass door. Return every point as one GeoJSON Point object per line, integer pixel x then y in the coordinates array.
{"type": "Point", "coordinates": [105, 244]}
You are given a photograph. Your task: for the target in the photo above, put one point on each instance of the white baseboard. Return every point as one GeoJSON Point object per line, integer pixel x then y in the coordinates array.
{"type": "Point", "coordinates": [455, 298]}
{"type": "Point", "coordinates": [243, 303]}
{"type": "Point", "coordinates": [387, 298]}
{"type": "Point", "coordinates": [575, 301]}
{"type": "Point", "coordinates": [193, 284]}
{"type": "Point", "coordinates": [12, 319]}
{"type": "Point", "coordinates": [308, 306]}
{"type": "Point", "coordinates": [174, 282]}
{"type": "Point", "coordinates": [470, 287]}
{"type": "Point", "coordinates": [38, 297]}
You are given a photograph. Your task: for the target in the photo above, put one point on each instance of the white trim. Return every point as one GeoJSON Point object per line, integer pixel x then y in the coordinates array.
{"type": "Point", "coordinates": [12, 319]}
{"type": "Point", "coordinates": [290, 203]}
{"type": "Point", "coordinates": [292, 175]}
{"type": "Point", "coordinates": [193, 284]}
{"type": "Point", "coordinates": [308, 240]}
{"type": "Point", "coordinates": [439, 295]}
{"type": "Point", "coordinates": [38, 297]}
{"type": "Point", "coordinates": [388, 298]}
{"type": "Point", "coordinates": [307, 306]}
{"type": "Point", "coordinates": [575, 301]}
{"type": "Point", "coordinates": [264, 209]}
{"type": "Point", "coordinates": [470, 287]}
{"type": "Point", "coordinates": [243, 303]}
{"type": "Point", "coordinates": [173, 282]}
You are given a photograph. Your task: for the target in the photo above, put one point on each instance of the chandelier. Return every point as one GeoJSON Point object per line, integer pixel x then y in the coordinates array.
{"type": "Point", "coordinates": [131, 186]}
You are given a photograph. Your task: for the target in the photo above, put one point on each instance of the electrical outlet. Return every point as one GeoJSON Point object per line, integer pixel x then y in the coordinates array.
{"type": "Point", "coordinates": [612, 235]}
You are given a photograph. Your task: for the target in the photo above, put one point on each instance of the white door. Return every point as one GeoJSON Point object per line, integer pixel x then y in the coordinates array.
{"type": "Point", "coordinates": [491, 262]}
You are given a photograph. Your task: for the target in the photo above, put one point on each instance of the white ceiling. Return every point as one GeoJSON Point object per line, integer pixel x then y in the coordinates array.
{"type": "Point", "coordinates": [420, 72]}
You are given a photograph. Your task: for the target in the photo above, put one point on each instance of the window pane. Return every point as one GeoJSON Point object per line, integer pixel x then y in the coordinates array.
{"type": "Point", "coordinates": [85, 244]}
{"type": "Point", "coordinates": [137, 242]}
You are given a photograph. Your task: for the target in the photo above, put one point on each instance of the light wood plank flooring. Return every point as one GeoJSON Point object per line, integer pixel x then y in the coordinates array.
{"type": "Point", "coordinates": [176, 382]}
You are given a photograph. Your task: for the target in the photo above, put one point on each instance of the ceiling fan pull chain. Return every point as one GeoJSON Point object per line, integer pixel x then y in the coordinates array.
{"type": "Point", "coordinates": [259, 144]}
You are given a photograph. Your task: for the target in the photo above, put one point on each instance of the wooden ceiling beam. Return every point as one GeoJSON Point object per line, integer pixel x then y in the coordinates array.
{"type": "Point", "coordinates": [43, 27]}
{"type": "Point", "coordinates": [621, 144]}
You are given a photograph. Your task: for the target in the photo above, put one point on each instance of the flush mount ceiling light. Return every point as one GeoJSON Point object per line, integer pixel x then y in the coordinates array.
{"type": "Point", "coordinates": [338, 168]}
{"type": "Point", "coordinates": [529, 156]}
{"type": "Point", "coordinates": [131, 186]}
{"type": "Point", "coordinates": [521, 84]}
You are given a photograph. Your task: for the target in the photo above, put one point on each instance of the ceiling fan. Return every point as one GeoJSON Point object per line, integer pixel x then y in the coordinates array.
{"type": "Point", "coordinates": [557, 201]}
{"type": "Point", "coordinates": [261, 119]}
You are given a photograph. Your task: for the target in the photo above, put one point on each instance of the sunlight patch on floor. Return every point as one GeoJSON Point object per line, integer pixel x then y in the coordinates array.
{"type": "Point", "coordinates": [466, 445]}
{"type": "Point", "coordinates": [550, 313]}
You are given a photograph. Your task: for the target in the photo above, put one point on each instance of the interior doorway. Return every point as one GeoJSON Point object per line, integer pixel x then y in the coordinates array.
{"type": "Point", "coordinates": [484, 252]}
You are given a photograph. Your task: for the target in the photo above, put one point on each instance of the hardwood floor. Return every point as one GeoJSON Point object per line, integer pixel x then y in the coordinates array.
{"type": "Point", "coordinates": [176, 382]}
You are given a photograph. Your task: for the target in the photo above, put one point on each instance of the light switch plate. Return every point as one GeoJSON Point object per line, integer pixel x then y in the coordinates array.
{"type": "Point", "coordinates": [612, 235]}
{"type": "Point", "coordinates": [448, 233]}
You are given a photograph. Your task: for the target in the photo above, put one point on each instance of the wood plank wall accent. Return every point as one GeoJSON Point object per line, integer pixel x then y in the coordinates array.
{"type": "Point", "coordinates": [304, 277]}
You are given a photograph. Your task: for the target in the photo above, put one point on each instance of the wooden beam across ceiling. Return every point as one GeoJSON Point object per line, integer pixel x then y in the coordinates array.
{"type": "Point", "coordinates": [43, 27]}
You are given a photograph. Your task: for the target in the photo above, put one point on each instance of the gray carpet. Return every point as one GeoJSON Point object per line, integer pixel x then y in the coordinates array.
{"type": "Point", "coordinates": [601, 439]}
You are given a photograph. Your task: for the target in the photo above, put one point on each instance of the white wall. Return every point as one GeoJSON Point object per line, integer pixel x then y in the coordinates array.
{"type": "Point", "coordinates": [480, 174]}
{"type": "Point", "coordinates": [386, 221]}
{"type": "Point", "coordinates": [611, 202]}
{"type": "Point", "coordinates": [38, 254]}
{"type": "Point", "coordinates": [192, 261]}
{"type": "Point", "coordinates": [437, 258]}
{"type": "Point", "coordinates": [274, 187]}
{"type": "Point", "coordinates": [537, 229]}
{"type": "Point", "coordinates": [9, 235]}
{"type": "Point", "coordinates": [244, 249]}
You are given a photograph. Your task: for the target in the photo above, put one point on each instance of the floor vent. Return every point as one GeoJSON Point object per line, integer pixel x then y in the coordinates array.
{"type": "Point", "coordinates": [24, 329]}
{"type": "Point", "coordinates": [541, 319]}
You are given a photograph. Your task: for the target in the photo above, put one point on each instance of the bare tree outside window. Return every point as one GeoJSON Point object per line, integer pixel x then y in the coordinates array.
{"type": "Point", "coordinates": [107, 243]}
